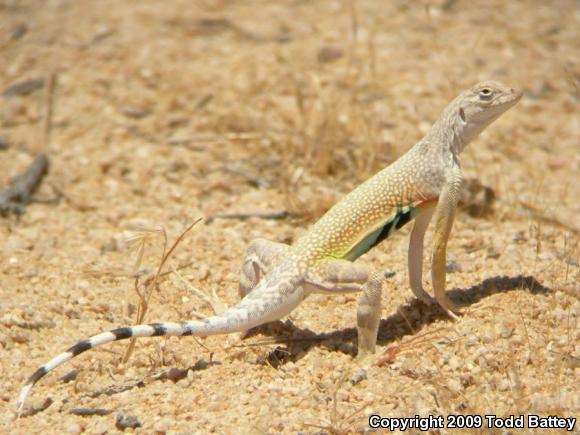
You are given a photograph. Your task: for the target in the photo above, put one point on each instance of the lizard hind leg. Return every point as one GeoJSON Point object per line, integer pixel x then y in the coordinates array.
{"type": "Point", "coordinates": [341, 276]}
{"type": "Point", "coordinates": [261, 256]}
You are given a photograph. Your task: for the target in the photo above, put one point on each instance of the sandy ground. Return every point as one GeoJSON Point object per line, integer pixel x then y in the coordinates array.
{"type": "Point", "coordinates": [167, 111]}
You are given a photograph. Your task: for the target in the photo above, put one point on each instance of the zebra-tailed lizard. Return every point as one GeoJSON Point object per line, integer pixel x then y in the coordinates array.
{"type": "Point", "coordinates": [275, 277]}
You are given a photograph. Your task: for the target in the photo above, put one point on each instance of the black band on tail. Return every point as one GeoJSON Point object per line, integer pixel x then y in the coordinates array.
{"type": "Point", "coordinates": [80, 347]}
{"type": "Point", "coordinates": [122, 333]}
{"type": "Point", "coordinates": [37, 375]}
{"type": "Point", "coordinates": [158, 329]}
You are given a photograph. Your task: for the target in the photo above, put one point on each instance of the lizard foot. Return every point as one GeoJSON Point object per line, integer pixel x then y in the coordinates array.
{"type": "Point", "coordinates": [450, 308]}
{"type": "Point", "coordinates": [362, 362]}
{"type": "Point", "coordinates": [210, 297]}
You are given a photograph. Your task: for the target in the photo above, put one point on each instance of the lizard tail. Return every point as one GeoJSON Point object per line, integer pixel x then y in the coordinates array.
{"type": "Point", "coordinates": [270, 300]}
{"type": "Point", "coordinates": [220, 324]}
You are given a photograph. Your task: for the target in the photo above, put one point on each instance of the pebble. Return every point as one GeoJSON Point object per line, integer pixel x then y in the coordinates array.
{"type": "Point", "coordinates": [455, 386]}
{"type": "Point", "coordinates": [162, 426]}
{"type": "Point", "coordinates": [74, 428]}
{"type": "Point", "coordinates": [488, 336]}
{"type": "Point", "coordinates": [126, 421]}
{"type": "Point", "coordinates": [215, 406]}
{"type": "Point", "coordinates": [455, 363]}
{"type": "Point", "coordinates": [360, 376]}
{"type": "Point", "coordinates": [453, 267]}
{"type": "Point", "coordinates": [506, 330]}
{"type": "Point", "coordinates": [503, 385]}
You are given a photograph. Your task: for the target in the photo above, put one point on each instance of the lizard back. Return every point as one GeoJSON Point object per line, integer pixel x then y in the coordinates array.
{"type": "Point", "coordinates": [364, 217]}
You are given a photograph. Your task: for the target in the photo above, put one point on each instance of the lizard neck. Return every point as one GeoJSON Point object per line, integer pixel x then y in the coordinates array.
{"type": "Point", "coordinates": [450, 131]}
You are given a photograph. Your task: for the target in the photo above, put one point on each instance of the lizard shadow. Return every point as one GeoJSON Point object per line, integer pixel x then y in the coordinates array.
{"type": "Point", "coordinates": [407, 320]}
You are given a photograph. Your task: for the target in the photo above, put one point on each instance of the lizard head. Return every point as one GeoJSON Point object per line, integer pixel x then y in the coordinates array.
{"type": "Point", "coordinates": [482, 104]}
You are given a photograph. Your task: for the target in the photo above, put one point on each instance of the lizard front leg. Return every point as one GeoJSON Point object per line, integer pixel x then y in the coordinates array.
{"type": "Point", "coordinates": [415, 258]}
{"type": "Point", "coordinates": [341, 276]}
{"type": "Point", "coordinates": [444, 215]}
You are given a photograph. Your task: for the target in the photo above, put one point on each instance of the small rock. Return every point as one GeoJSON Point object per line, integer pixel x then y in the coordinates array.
{"type": "Point", "coordinates": [455, 363]}
{"type": "Point", "coordinates": [557, 162]}
{"type": "Point", "coordinates": [455, 386]}
{"type": "Point", "coordinates": [17, 32]}
{"type": "Point", "coordinates": [488, 336]}
{"type": "Point", "coordinates": [329, 54]}
{"type": "Point", "coordinates": [215, 406]}
{"type": "Point", "coordinates": [476, 198]}
{"type": "Point", "coordinates": [83, 284]}
{"type": "Point", "coordinates": [175, 374]}
{"type": "Point", "coordinates": [125, 421]}
{"type": "Point", "coordinates": [70, 376]}
{"type": "Point", "coordinates": [162, 426]}
{"type": "Point", "coordinates": [503, 385]}
{"type": "Point", "coordinates": [360, 376]}
{"type": "Point", "coordinates": [506, 330]}
{"type": "Point", "coordinates": [520, 237]}
{"type": "Point", "coordinates": [453, 267]}
{"type": "Point", "coordinates": [135, 112]}
{"type": "Point", "coordinates": [389, 273]}
{"type": "Point", "coordinates": [492, 253]}
{"type": "Point", "coordinates": [74, 428]}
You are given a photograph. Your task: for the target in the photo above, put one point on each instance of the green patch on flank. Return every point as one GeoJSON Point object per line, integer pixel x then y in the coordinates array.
{"type": "Point", "coordinates": [396, 220]}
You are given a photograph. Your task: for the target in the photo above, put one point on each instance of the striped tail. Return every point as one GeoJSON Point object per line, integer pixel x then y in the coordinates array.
{"type": "Point", "coordinates": [270, 300]}
{"type": "Point", "coordinates": [221, 324]}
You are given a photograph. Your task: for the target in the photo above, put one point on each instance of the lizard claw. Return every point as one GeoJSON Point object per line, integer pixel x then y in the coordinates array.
{"type": "Point", "coordinates": [450, 308]}
{"type": "Point", "coordinates": [451, 314]}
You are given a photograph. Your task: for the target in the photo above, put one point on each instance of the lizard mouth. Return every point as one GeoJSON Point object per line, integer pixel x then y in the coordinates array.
{"type": "Point", "coordinates": [516, 95]}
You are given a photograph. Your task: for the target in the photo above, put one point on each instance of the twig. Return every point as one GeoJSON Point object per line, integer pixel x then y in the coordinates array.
{"type": "Point", "coordinates": [353, 32]}
{"type": "Point", "coordinates": [414, 343]}
{"type": "Point", "coordinates": [24, 88]}
{"type": "Point", "coordinates": [15, 198]}
{"type": "Point", "coordinates": [48, 109]}
{"type": "Point", "coordinates": [335, 427]}
{"type": "Point", "coordinates": [89, 412]}
{"type": "Point", "coordinates": [279, 340]}
{"type": "Point", "coordinates": [252, 179]}
{"type": "Point", "coordinates": [276, 215]}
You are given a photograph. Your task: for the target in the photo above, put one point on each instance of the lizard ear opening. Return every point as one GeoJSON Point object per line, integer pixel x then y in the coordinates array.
{"type": "Point", "coordinates": [462, 114]}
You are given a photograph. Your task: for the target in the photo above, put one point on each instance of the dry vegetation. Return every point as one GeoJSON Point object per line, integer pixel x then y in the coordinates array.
{"type": "Point", "coordinates": [164, 112]}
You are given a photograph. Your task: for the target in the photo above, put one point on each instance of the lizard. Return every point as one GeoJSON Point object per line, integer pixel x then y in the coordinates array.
{"type": "Point", "coordinates": [424, 183]}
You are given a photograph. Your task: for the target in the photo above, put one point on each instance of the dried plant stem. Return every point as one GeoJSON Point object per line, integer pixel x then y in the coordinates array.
{"type": "Point", "coordinates": [48, 110]}
{"type": "Point", "coordinates": [145, 290]}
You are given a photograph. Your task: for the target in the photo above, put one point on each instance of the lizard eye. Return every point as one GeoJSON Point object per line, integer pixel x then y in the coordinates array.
{"type": "Point", "coordinates": [485, 93]}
